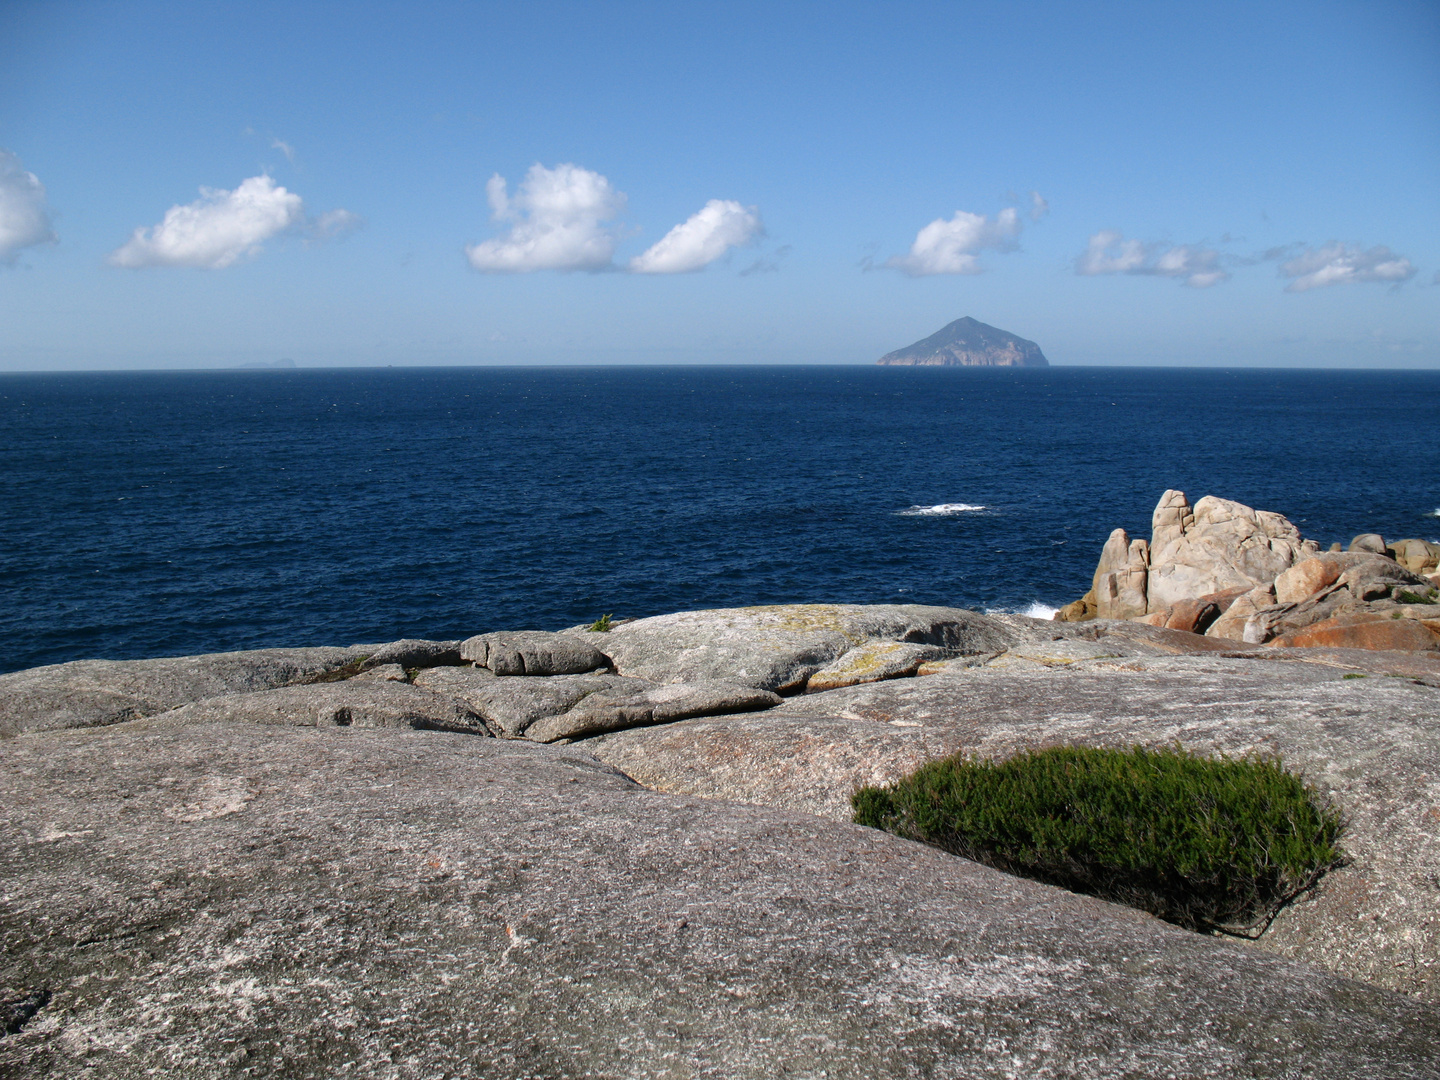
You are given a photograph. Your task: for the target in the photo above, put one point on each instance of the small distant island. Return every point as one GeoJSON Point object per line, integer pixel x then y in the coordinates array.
{"type": "Point", "coordinates": [969, 343]}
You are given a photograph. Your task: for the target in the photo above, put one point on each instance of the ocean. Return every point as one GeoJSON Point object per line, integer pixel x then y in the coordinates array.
{"type": "Point", "coordinates": [152, 514]}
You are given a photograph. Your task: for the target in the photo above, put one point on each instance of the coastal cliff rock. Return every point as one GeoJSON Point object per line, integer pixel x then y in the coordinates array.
{"type": "Point", "coordinates": [1226, 570]}
{"type": "Point", "coordinates": [969, 343]}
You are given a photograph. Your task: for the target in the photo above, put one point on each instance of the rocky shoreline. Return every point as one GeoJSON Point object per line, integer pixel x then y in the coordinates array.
{"type": "Point", "coordinates": [627, 853]}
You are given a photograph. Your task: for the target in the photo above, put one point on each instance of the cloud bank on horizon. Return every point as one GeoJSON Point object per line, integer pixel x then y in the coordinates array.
{"type": "Point", "coordinates": [563, 219]}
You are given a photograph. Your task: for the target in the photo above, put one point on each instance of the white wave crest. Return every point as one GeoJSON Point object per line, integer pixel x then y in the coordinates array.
{"type": "Point", "coordinates": [939, 510]}
{"type": "Point", "coordinates": [1436, 513]}
{"type": "Point", "coordinates": [1035, 610]}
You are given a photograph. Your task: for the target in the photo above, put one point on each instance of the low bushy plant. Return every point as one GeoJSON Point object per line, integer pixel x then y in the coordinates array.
{"type": "Point", "coordinates": [1207, 843]}
{"type": "Point", "coordinates": [600, 625]}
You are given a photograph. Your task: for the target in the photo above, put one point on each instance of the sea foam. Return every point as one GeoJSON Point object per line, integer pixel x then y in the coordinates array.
{"type": "Point", "coordinates": [939, 510]}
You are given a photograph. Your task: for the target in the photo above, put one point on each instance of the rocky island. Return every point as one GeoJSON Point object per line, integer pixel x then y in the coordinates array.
{"type": "Point", "coordinates": [968, 343]}
{"type": "Point", "coordinates": [628, 852]}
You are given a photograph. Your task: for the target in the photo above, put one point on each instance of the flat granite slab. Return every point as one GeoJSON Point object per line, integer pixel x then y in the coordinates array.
{"type": "Point", "coordinates": [1372, 744]}
{"type": "Point", "coordinates": [244, 900]}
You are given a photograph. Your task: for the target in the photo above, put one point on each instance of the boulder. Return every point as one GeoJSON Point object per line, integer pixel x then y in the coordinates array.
{"type": "Point", "coordinates": [1307, 577]}
{"type": "Point", "coordinates": [873, 661]}
{"type": "Point", "coordinates": [625, 707]}
{"type": "Point", "coordinates": [93, 693]}
{"type": "Point", "coordinates": [359, 703]}
{"type": "Point", "coordinates": [1218, 545]}
{"type": "Point", "coordinates": [512, 704]}
{"type": "Point", "coordinates": [302, 902]}
{"type": "Point", "coordinates": [533, 652]}
{"type": "Point", "coordinates": [1377, 577]}
{"type": "Point", "coordinates": [1363, 631]}
{"type": "Point", "coordinates": [1370, 744]}
{"type": "Point", "coordinates": [1078, 610]}
{"type": "Point", "coordinates": [1231, 625]}
{"type": "Point", "coordinates": [1373, 543]}
{"type": "Point", "coordinates": [1191, 616]}
{"type": "Point", "coordinates": [545, 709]}
{"type": "Point", "coordinates": [1120, 578]}
{"type": "Point", "coordinates": [414, 653]}
{"type": "Point", "coordinates": [779, 648]}
{"type": "Point", "coordinates": [1417, 556]}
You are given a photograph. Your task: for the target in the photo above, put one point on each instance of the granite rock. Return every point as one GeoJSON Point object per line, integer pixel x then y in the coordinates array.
{"type": "Point", "coordinates": [513, 703]}
{"type": "Point", "coordinates": [533, 652]}
{"type": "Point", "coordinates": [93, 693]}
{"type": "Point", "coordinates": [414, 653]}
{"type": "Point", "coordinates": [779, 648]}
{"type": "Point", "coordinates": [359, 702]}
{"type": "Point", "coordinates": [391, 904]}
{"type": "Point", "coordinates": [1370, 743]}
{"type": "Point", "coordinates": [873, 661]}
{"type": "Point", "coordinates": [627, 706]}
{"type": "Point", "coordinates": [1218, 545]}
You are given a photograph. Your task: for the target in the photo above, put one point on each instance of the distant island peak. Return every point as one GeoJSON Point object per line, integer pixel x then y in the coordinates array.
{"type": "Point", "coordinates": [968, 342]}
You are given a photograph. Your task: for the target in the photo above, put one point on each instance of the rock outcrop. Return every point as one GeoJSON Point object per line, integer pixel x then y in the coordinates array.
{"type": "Point", "coordinates": [969, 343]}
{"type": "Point", "coordinates": [1369, 741]}
{"type": "Point", "coordinates": [93, 693]}
{"type": "Point", "coordinates": [1223, 569]}
{"type": "Point", "coordinates": [391, 903]}
{"type": "Point", "coordinates": [350, 871]}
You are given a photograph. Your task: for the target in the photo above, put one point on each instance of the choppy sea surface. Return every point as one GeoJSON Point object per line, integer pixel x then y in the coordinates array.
{"type": "Point", "coordinates": [150, 514]}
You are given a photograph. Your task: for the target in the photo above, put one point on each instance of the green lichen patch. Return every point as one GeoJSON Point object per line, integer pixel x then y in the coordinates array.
{"type": "Point", "coordinates": [1213, 844]}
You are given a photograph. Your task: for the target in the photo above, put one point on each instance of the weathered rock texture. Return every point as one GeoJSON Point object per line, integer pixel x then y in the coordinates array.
{"type": "Point", "coordinates": [533, 652]}
{"type": "Point", "coordinates": [1372, 744]}
{"type": "Point", "coordinates": [387, 903]}
{"type": "Point", "coordinates": [779, 648]}
{"type": "Point", "coordinates": [969, 343]}
{"type": "Point", "coordinates": [91, 693]}
{"type": "Point", "coordinates": [1226, 570]}
{"type": "Point", "coordinates": [359, 702]}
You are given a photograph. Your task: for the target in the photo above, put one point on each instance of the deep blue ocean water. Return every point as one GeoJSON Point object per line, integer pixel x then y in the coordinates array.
{"type": "Point", "coordinates": [149, 514]}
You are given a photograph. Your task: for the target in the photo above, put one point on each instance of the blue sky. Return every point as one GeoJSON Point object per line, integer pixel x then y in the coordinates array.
{"type": "Point", "coordinates": [1149, 183]}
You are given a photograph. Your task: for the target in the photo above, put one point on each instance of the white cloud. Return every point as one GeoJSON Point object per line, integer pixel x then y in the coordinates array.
{"type": "Point", "coordinates": [24, 217]}
{"type": "Point", "coordinates": [952, 247]}
{"type": "Point", "coordinates": [694, 244]}
{"type": "Point", "coordinates": [285, 148]}
{"type": "Point", "coordinates": [1039, 206]}
{"type": "Point", "coordinates": [216, 230]}
{"type": "Point", "coordinates": [1342, 264]}
{"type": "Point", "coordinates": [557, 222]}
{"type": "Point", "coordinates": [335, 223]}
{"type": "Point", "coordinates": [1110, 253]}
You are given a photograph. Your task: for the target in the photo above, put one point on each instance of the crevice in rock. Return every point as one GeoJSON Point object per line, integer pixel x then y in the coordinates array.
{"type": "Point", "coordinates": [18, 1008]}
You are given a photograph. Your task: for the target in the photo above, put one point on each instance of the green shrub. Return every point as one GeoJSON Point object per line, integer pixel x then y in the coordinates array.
{"type": "Point", "coordinates": [1208, 843]}
{"type": "Point", "coordinates": [600, 625]}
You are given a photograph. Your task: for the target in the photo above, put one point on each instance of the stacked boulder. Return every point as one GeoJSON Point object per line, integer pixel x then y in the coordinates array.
{"type": "Point", "coordinates": [1223, 569]}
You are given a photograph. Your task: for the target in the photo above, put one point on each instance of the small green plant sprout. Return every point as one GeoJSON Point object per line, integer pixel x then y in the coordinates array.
{"type": "Point", "coordinates": [601, 625]}
{"type": "Point", "coordinates": [1212, 844]}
